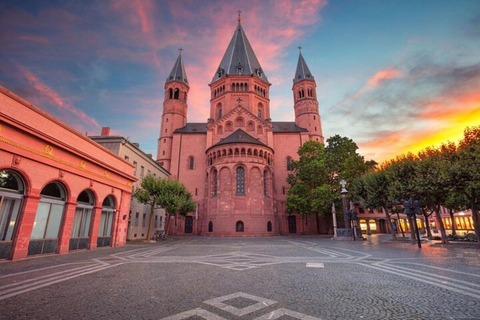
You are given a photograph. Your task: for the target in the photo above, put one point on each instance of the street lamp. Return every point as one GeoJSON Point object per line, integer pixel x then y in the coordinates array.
{"type": "Point", "coordinates": [344, 193]}
{"type": "Point", "coordinates": [413, 207]}
{"type": "Point", "coordinates": [352, 216]}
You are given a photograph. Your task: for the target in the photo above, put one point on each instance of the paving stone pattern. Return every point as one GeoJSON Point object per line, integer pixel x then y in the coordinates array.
{"type": "Point", "coordinates": [307, 278]}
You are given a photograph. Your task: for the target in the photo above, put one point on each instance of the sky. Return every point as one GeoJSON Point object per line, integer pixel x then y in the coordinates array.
{"type": "Point", "coordinates": [393, 76]}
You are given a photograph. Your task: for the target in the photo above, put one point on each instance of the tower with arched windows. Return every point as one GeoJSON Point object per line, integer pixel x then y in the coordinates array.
{"type": "Point", "coordinates": [236, 163]}
{"type": "Point", "coordinates": [174, 110]}
{"type": "Point", "coordinates": [305, 98]}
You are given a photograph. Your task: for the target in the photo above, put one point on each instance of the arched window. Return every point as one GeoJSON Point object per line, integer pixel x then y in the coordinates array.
{"type": "Point", "coordinates": [239, 226]}
{"type": "Point", "coordinates": [250, 126]}
{"type": "Point", "coordinates": [11, 195]}
{"type": "Point", "coordinates": [48, 218]}
{"type": "Point", "coordinates": [215, 182]}
{"type": "Point", "coordinates": [170, 93]}
{"type": "Point", "coordinates": [210, 226]}
{"type": "Point", "coordinates": [176, 94]}
{"type": "Point", "coordinates": [191, 163]}
{"type": "Point", "coordinates": [240, 181]}
{"type": "Point", "coordinates": [239, 122]}
{"type": "Point", "coordinates": [269, 226]}
{"type": "Point", "coordinates": [81, 221]}
{"type": "Point", "coordinates": [106, 222]}
{"type": "Point", "coordinates": [289, 164]}
{"type": "Point", "coordinates": [265, 183]}
{"type": "Point", "coordinates": [219, 113]}
{"type": "Point", "coordinates": [229, 126]}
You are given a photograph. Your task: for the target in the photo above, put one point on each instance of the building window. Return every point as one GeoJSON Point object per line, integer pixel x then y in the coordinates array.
{"type": "Point", "coordinates": [191, 163]}
{"type": "Point", "coordinates": [135, 168]}
{"type": "Point", "coordinates": [83, 215]}
{"type": "Point", "coordinates": [239, 226]}
{"type": "Point", "coordinates": [265, 183]}
{"type": "Point", "coordinates": [106, 218]}
{"type": "Point", "coordinates": [160, 224]}
{"type": "Point", "coordinates": [176, 94]}
{"type": "Point", "coordinates": [127, 158]}
{"type": "Point", "coordinates": [215, 182]}
{"type": "Point", "coordinates": [219, 113]}
{"type": "Point", "coordinates": [48, 219]}
{"type": "Point", "coordinates": [11, 195]}
{"type": "Point", "coordinates": [156, 221]}
{"type": "Point", "coordinates": [144, 221]}
{"type": "Point", "coordinates": [210, 226]}
{"type": "Point", "coordinates": [142, 171]}
{"type": "Point", "coordinates": [137, 217]}
{"type": "Point", "coordinates": [269, 226]}
{"type": "Point", "coordinates": [289, 164]}
{"type": "Point", "coordinates": [240, 181]}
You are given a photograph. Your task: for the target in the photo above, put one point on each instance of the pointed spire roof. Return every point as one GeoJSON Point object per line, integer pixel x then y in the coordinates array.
{"type": "Point", "coordinates": [302, 72]}
{"type": "Point", "coordinates": [239, 58]}
{"type": "Point", "coordinates": [178, 72]}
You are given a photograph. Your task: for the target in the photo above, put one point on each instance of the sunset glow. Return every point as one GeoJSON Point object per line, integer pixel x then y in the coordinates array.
{"type": "Point", "coordinates": [394, 77]}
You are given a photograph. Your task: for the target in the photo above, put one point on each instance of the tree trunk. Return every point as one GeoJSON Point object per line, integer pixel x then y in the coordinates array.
{"type": "Point", "coordinates": [387, 216]}
{"type": "Point", "coordinates": [454, 232]}
{"type": "Point", "coordinates": [427, 224]}
{"type": "Point", "coordinates": [476, 223]}
{"type": "Point", "coordinates": [440, 223]}
{"type": "Point", "coordinates": [150, 219]}
{"type": "Point", "coordinates": [412, 228]}
{"type": "Point", "coordinates": [167, 223]}
{"type": "Point", "coordinates": [400, 225]}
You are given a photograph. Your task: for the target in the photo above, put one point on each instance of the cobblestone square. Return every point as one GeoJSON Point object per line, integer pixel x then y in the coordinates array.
{"type": "Point", "coordinates": [247, 278]}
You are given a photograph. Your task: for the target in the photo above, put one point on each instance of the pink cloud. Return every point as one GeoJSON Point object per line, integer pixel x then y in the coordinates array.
{"type": "Point", "coordinates": [382, 76]}
{"type": "Point", "coordinates": [55, 98]}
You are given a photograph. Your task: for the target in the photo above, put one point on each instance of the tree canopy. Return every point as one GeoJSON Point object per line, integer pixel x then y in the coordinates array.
{"type": "Point", "coordinates": [170, 195]}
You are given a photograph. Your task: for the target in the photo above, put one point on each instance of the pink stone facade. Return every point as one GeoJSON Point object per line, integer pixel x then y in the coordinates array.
{"type": "Point", "coordinates": [44, 156]}
{"type": "Point", "coordinates": [236, 163]}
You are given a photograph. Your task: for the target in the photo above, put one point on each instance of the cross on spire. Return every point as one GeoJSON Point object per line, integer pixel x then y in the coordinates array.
{"type": "Point", "coordinates": [239, 17]}
{"type": "Point", "coordinates": [299, 49]}
{"type": "Point", "coordinates": [180, 50]}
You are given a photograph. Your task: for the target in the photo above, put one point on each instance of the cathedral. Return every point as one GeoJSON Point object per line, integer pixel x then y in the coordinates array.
{"type": "Point", "coordinates": [236, 163]}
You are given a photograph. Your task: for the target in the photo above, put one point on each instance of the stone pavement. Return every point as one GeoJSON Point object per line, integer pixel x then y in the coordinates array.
{"type": "Point", "coordinates": [247, 278]}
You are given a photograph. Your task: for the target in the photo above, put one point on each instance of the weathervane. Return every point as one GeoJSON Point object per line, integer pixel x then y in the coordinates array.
{"type": "Point", "coordinates": [299, 49]}
{"type": "Point", "coordinates": [239, 18]}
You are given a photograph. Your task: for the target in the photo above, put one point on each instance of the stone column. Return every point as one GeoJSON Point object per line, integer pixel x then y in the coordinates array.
{"type": "Point", "coordinates": [65, 231]}
{"type": "Point", "coordinates": [25, 226]}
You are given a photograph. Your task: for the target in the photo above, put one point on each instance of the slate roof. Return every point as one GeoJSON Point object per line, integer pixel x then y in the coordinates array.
{"type": "Point", "coordinates": [287, 127]}
{"type": "Point", "coordinates": [239, 58]}
{"type": "Point", "coordinates": [239, 136]}
{"type": "Point", "coordinates": [193, 128]}
{"type": "Point", "coordinates": [302, 72]}
{"type": "Point", "coordinates": [178, 72]}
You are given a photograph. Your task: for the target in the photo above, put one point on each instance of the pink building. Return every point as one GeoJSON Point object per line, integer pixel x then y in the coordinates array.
{"type": "Point", "coordinates": [236, 163]}
{"type": "Point", "coordinates": [59, 190]}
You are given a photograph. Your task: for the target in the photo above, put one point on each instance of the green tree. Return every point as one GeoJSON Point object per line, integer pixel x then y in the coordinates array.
{"type": "Point", "coordinates": [466, 172]}
{"type": "Point", "coordinates": [171, 195]}
{"type": "Point", "coordinates": [372, 189]}
{"type": "Point", "coordinates": [309, 191]}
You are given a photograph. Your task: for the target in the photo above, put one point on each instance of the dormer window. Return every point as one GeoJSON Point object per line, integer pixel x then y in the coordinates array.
{"type": "Point", "coordinates": [259, 72]}
{"type": "Point", "coordinates": [239, 68]}
{"type": "Point", "coordinates": [220, 72]}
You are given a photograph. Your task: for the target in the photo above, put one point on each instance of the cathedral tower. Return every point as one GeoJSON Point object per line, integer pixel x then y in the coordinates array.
{"type": "Point", "coordinates": [174, 110]}
{"type": "Point", "coordinates": [239, 80]}
{"type": "Point", "coordinates": [305, 100]}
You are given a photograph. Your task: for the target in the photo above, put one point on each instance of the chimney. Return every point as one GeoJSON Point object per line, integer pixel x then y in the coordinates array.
{"type": "Point", "coordinates": [105, 131]}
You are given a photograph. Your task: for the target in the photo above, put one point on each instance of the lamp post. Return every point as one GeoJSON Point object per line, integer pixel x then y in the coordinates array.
{"type": "Point", "coordinates": [412, 207]}
{"type": "Point", "coordinates": [344, 193]}
{"type": "Point", "coordinates": [334, 216]}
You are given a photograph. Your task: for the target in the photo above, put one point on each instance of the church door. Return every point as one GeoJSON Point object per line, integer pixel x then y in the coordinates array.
{"type": "Point", "coordinates": [188, 224]}
{"type": "Point", "coordinates": [292, 224]}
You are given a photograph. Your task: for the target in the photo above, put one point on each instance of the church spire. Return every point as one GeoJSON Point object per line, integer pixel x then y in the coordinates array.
{"type": "Point", "coordinates": [239, 59]}
{"type": "Point", "coordinates": [178, 72]}
{"type": "Point", "coordinates": [302, 72]}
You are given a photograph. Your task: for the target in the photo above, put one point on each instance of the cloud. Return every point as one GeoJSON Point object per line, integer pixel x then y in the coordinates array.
{"type": "Point", "coordinates": [54, 97]}
{"type": "Point", "coordinates": [383, 75]}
